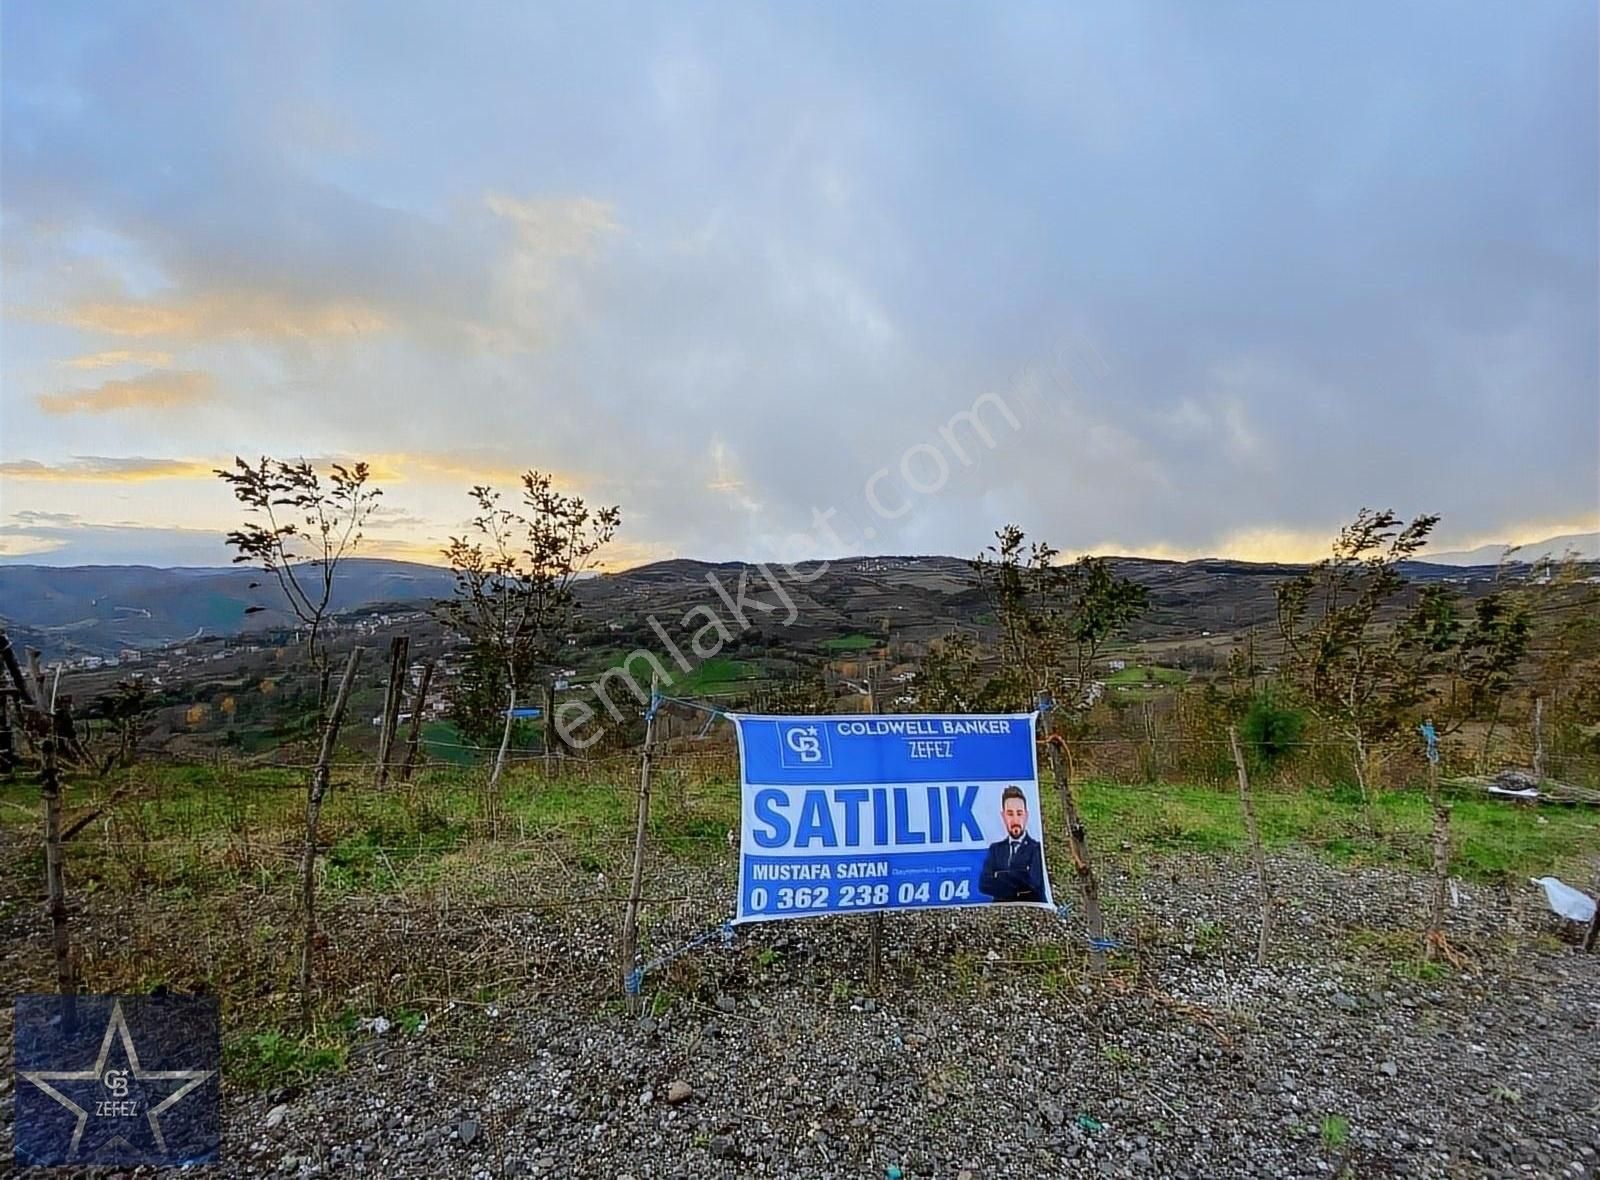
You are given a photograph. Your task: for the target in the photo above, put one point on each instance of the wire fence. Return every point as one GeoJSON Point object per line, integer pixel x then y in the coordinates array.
{"type": "Point", "coordinates": [1112, 755]}
{"type": "Point", "coordinates": [440, 889]}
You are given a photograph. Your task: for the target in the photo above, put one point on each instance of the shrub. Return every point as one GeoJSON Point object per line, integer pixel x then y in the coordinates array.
{"type": "Point", "coordinates": [1271, 730]}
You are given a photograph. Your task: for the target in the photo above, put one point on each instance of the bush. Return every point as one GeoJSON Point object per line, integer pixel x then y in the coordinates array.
{"type": "Point", "coordinates": [1271, 731]}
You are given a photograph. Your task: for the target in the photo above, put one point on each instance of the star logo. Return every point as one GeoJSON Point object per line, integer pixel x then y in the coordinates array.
{"type": "Point", "coordinates": [113, 1100]}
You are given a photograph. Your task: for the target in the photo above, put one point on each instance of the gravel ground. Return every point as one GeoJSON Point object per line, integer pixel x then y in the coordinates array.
{"type": "Point", "coordinates": [991, 1052]}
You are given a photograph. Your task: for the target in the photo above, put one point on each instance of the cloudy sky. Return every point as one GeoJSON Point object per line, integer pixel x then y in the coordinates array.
{"type": "Point", "coordinates": [1213, 276]}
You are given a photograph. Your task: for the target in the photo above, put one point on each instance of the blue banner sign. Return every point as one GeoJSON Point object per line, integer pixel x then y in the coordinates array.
{"type": "Point", "coordinates": [851, 814]}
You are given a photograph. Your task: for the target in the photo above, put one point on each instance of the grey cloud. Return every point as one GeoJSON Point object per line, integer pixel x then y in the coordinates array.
{"type": "Point", "coordinates": [1326, 258]}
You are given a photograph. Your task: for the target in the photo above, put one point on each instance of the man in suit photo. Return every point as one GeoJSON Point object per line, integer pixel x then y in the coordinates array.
{"type": "Point", "coordinates": [1014, 868]}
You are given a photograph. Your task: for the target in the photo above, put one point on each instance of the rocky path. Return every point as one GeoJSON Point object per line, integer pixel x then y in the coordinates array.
{"type": "Point", "coordinates": [991, 1054]}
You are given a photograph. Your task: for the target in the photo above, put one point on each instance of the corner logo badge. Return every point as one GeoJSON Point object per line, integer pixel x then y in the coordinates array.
{"type": "Point", "coordinates": [77, 1105]}
{"type": "Point", "coordinates": [804, 747]}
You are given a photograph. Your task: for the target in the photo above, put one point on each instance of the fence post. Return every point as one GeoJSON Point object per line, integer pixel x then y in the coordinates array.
{"type": "Point", "coordinates": [36, 670]}
{"type": "Point", "coordinates": [1262, 884]}
{"type": "Point", "coordinates": [54, 877]}
{"type": "Point", "coordinates": [550, 736]}
{"type": "Point", "coordinates": [1433, 940]}
{"type": "Point", "coordinates": [631, 986]}
{"type": "Point", "coordinates": [1078, 841]}
{"type": "Point", "coordinates": [8, 656]}
{"type": "Point", "coordinates": [1590, 938]}
{"type": "Point", "coordinates": [1538, 737]}
{"type": "Point", "coordinates": [414, 739]}
{"type": "Point", "coordinates": [8, 749]}
{"type": "Point", "coordinates": [399, 649]}
{"type": "Point", "coordinates": [875, 919]}
{"type": "Point", "coordinates": [308, 860]}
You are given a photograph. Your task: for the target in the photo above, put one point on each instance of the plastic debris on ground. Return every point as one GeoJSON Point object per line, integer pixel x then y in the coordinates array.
{"type": "Point", "coordinates": [1572, 904]}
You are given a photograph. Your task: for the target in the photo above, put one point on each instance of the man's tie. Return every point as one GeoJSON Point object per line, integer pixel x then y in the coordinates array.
{"type": "Point", "coordinates": [1012, 855]}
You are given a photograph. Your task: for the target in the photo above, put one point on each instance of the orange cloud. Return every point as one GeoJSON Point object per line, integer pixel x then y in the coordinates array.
{"type": "Point", "coordinates": [169, 390]}
{"type": "Point", "coordinates": [227, 314]}
{"type": "Point", "coordinates": [474, 466]}
{"type": "Point", "coordinates": [121, 356]}
{"type": "Point", "coordinates": [27, 545]}
{"type": "Point", "coordinates": [102, 469]}
{"type": "Point", "coordinates": [398, 467]}
{"type": "Point", "coordinates": [1263, 544]}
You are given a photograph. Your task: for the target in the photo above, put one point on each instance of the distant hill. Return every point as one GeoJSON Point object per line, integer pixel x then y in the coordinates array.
{"type": "Point", "coordinates": [1585, 545]}
{"type": "Point", "coordinates": [98, 609]}
{"type": "Point", "coordinates": [919, 598]}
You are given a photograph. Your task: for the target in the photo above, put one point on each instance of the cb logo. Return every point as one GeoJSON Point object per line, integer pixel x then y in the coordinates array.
{"type": "Point", "coordinates": [805, 747]}
{"type": "Point", "coordinates": [116, 1080]}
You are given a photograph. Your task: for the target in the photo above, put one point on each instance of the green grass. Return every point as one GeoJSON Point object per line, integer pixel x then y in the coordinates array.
{"type": "Point", "coordinates": [194, 812]}
{"type": "Point", "coordinates": [1147, 674]}
{"type": "Point", "coordinates": [853, 642]}
{"type": "Point", "coordinates": [268, 1060]}
{"type": "Point", "coordinates": [212, 852]}
{"type": "Point", "coordinates": [1491, 841]}
{"type": "Point", "coordinates": [714, 675]}
{"type": "Point", "coordinates": [574, 809]}
{"type": "Point", "coordinates": [1335, 1131]}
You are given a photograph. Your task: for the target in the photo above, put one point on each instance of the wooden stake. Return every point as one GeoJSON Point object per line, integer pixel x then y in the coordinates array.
{"type": "Point", "coordinates": [55, 877]}
{"type": "Point", "coordinates": [36, 670]}
{"type": "Point", "coordinates": [66, 733]}
{"type": "Point", "coordinates": [1079, 839]}
{"type": "Point", "coordinates": [8, 749]}
{"type": "Point", "coordinates": [8, 657]}
{"type": "Point", "coordinates": [875, 919]}
{"type": "Point", "coordinates": [1152, 770]}
{"type": "Point", "coordinates": [875, 951]}
{"type": "Point", "coordinates": [308, 859]}
{"type": "Point", "coordinates": [414, 739]}
{"type": "Point", "coordinates": [399, 648]}
{"type": "Point", "coordinates": [500, 757]}
{"type": "Point", "coordinates": [628, 959]}
{"type": "Point", "coordinates": [1593, 936]}
{"type": "Point", "coordinates": [1434, 938]}
{"type": "Point", "coordinates": [550, 737]}
{"type": "Point", "coordinates": [1538, 738]}
{"type": "Point", "coordinates": [1262, 884]}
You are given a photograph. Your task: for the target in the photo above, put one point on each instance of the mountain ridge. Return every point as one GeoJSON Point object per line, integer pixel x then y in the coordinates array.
{"type": "Point", "coordinates": [1585, 545]}
{"type": "Point", "coordinates": [102, 609]}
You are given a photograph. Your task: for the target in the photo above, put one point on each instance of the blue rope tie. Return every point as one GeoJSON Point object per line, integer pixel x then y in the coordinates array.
{"type": "Point", "coordinates": [1431, 737]}
{"type": "Point", "coordinates": [1064, 913]}
{"type": "Point", "coordinates": [635, 978]}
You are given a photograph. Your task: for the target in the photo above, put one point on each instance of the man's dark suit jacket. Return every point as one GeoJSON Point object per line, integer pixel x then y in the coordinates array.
{"type": "Point", "coordinates": [1018, 876]}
